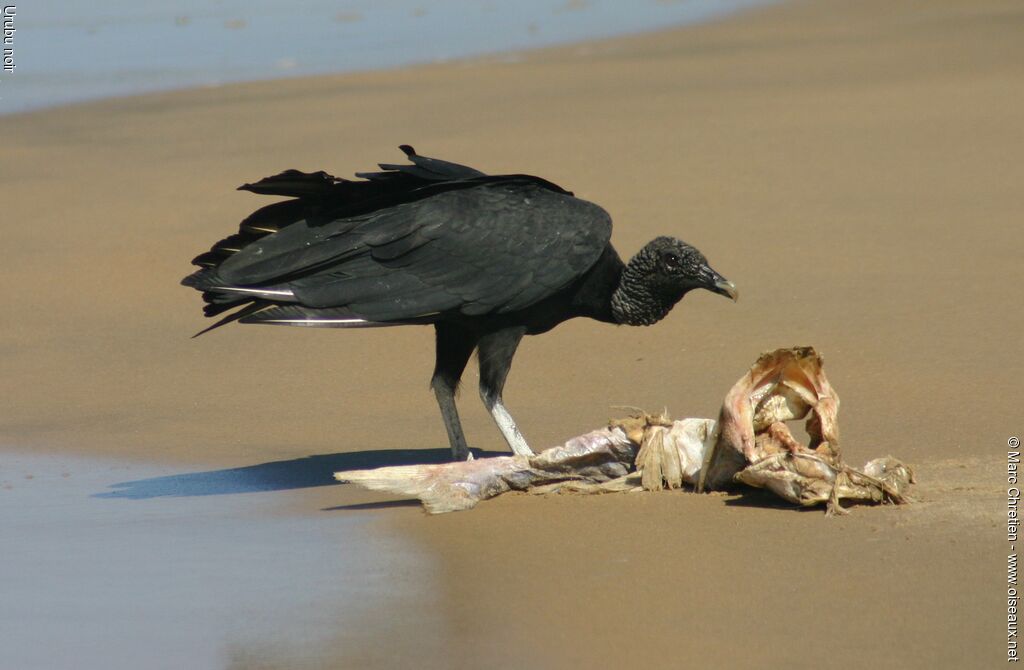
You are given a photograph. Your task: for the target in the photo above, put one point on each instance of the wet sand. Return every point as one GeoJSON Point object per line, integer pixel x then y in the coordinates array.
{"type": "Point", "coordinates": [121, 564]}
{"type": "Point", "coordinates": [852, 166]}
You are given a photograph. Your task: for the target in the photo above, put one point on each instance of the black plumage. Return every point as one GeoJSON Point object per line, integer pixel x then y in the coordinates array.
{"type": "Point", "coordinates": [486, 259]}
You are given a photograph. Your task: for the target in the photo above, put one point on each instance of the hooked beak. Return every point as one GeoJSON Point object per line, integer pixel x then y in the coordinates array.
{"type": "Point", "coordinates": [726, 287]}
{"type": "Point", "coordinates": [716, 283]}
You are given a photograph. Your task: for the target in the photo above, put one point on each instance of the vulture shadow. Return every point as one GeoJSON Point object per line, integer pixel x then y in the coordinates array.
{"type": "Point", "coordinates": [297, 473]}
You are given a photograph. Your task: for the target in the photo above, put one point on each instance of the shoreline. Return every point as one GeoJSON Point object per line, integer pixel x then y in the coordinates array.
{"type": "Point", "coordinates": [461, 45]}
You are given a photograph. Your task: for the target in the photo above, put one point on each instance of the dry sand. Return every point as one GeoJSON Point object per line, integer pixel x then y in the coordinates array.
{"type": "Point", "coordinates": [853, 166]}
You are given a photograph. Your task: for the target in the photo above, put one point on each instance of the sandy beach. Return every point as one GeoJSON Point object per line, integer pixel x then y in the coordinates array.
{"type": "Point", "coordinates": [852, 166]}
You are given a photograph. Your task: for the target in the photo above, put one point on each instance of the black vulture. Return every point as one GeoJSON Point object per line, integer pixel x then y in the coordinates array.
{"type": "Point", "coordinates": [485, 259]}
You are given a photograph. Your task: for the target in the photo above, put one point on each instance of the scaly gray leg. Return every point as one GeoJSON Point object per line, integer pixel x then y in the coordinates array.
{"type": "Point", "coordinates": [454, 347]}
{"type": "Point", "coordinates": [445, 395]}
{"type": "Point", "coordinates": [496, 351]}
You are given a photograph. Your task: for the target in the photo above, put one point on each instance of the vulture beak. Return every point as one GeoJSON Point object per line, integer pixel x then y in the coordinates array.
{"type": "Point", "coordinates": [716, 283]}
{"type": "Point", "coordinates": [726, 287]}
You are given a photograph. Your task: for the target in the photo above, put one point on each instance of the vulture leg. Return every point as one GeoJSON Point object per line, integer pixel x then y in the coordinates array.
{"type": "Point", "coordinates": [496, 351]}
{"type": "Point", "coordinates": [454, 347]}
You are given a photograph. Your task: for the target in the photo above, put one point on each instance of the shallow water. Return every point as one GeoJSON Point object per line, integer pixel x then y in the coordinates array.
{"type": "Point", "coordinates": [67, 51]}
{"type": "Point", "coordinates": [193, 578]}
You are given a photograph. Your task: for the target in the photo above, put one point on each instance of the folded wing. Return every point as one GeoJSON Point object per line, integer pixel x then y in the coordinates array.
{"type": "Point", "coordinates": [476, 245]}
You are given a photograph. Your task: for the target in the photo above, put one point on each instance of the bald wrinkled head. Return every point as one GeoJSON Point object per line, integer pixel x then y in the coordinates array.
{"type": "Point", "coordinates": [659, 276]}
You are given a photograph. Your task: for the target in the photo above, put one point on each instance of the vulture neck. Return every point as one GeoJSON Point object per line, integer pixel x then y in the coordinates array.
{"type": "Point", "coordinates": [614, 292]}
{"type": "Point", "coordinates": [634, 301]}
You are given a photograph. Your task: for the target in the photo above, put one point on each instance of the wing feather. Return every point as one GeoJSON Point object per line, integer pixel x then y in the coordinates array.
{"type": "Point", "coordinates": [493, 248]}
{"type": "Point", "coordinates": [493, 245]}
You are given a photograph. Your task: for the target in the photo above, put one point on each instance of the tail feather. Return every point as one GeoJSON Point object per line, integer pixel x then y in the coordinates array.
{"type": "Point", "coordinates": [294, 183]}
{"type": "Point", "coordinates": [427, 169]}
{"type": "Point", "coordinates": [251, 308]}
